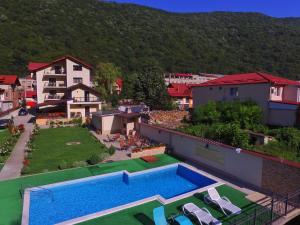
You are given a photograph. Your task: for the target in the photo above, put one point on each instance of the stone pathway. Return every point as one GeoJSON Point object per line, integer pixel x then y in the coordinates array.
{"type": "Point", "coordinates": [14, 163]}
{"type": "Point", "coordinates": [119, 155]}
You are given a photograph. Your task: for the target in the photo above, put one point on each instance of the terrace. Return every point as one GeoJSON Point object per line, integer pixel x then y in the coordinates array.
{"type": "Point", "coordinates": [11, 196]}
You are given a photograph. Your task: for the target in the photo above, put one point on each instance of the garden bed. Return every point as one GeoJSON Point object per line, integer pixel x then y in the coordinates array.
{"type": "Point", "coordinates": [148, 151]}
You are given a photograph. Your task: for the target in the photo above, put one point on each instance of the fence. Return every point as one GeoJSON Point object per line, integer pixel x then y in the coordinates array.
{"type": "Point", "coordinates": [277, 207]}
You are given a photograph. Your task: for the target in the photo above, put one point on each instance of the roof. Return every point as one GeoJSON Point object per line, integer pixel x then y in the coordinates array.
{"type": "Point", "coordinates": [119, 82]}
{"type": "Point", "coordinates": [83, 87]}
{"type": "Point", "coordinates": [9, 79]}
{"type": "Point", "coordinates": [183, 75]}
{"type": "Point", "coordinates": [29, 94]}
{"type": "Point", "coordinates": [35, 66]}
{"type": "Point", "coordinates": [249, 78]}
{"type": "Point", "coordinates": [179, 90]}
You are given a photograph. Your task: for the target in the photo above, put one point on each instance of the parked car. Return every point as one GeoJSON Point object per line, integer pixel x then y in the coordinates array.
{"type": "Point", "coordinates": [4, 123]}
{"type": "Point", "coordinates": [23, 112]}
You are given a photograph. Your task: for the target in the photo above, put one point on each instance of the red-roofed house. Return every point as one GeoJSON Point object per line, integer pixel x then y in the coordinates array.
{"type": "Point", "coordinates": [182, 94]}
{"type": "Point", "coordinates": [65, 82]}
{"type": "Point", "coordinates": [278, 97]}
{"type": "Point", "coordinates": [9, 96]}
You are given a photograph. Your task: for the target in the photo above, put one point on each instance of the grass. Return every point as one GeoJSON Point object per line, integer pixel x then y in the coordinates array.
{"type": "Point", "coordinates": [52, 149]}
{"type": "Point", "coordinates": [11, 199]}
{"type": "Point", "coordinates": [143, 214]}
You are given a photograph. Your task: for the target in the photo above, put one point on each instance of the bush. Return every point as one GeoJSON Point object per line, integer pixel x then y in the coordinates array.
{"type": "Point", "coordinates": [111, 150]}
{"type": "Point", "coordinates": [103, 156]}
{"type": "Point", "coordinates": [206, 114]}
{"type": "Point", "coordinates": [93, 159]}
{"type": "Point", "coordinates": [63, 165]}
{"type": "Point", "coordinates": [25, 170]}
{"type": "Point", "coordinates": [289, 136]}
{"type": "Point", "coordinates": [79, 164]}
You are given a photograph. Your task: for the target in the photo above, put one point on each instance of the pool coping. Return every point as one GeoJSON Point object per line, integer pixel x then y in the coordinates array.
{"type": "Point", "coordinates": [162, 200]}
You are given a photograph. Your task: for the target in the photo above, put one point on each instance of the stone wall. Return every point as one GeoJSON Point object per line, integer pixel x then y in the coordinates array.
{"type": "Point", "coordinates": [280, 177]}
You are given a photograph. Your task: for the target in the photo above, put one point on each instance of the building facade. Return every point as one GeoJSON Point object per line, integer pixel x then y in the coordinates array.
{"type": "Point", "coordinates": [181, 94]}
{"type": "Point", "coordinates": [183, 78]}
{"type": "Point", "coordinates": [278, 97]}
{"type": "Point", "coordinates": [9, 95]}
{"type": "Point", "coordinates": [67, 80]}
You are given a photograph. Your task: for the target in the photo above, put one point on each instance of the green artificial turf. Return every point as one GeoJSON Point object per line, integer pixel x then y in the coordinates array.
{"type": "Point", "coordinates": [11, 198]}
{"type": "Point", "coordinates": [52, 149]}
{"type": "Point", "coordinates": [143, 214]}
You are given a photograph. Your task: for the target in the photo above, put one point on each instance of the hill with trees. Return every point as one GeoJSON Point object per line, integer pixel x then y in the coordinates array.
{"type": "Point", "coordinates": [130, 35]}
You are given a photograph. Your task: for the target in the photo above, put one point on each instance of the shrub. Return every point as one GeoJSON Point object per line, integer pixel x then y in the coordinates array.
{"type": "Point", "coordinates": [93, 159]}
{"type": "Point", "coordinates": [207, 114]}
{"type": "Point", "coordinates": [79, 164]}
{"type": "Point", "coordinates": [103, 156]}
{"type": "Point", "coordinates": [25, 170]}
{"type": "Point", "coordinates": [63, 165]}
{"type": "Point", "coordinates": [289, 136]}
{"type": "Point", "coordinates": [111, 150]}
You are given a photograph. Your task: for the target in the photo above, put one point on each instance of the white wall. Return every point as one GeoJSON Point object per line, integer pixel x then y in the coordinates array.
{"type": "Point", "coordinates": [245, 167]}
{"type": "Point", "coordinates": [84, 74]}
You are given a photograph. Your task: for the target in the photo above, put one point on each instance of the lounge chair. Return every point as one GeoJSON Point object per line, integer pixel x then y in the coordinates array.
{"type": "Point", "coordinates": [224, 203]}
{"type": "Point", "coordinates": [160, 218]}
{"type": "Point", "coordinates": [203, 215]}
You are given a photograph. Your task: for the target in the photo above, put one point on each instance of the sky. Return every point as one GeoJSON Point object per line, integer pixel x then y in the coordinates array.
{"type": "Point", "coordinates": [275, 8]}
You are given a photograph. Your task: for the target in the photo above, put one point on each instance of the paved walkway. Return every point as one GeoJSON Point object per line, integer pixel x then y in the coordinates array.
{"type": "Point", "coordinates": [14, 163]}
{"type": "Point", "coordinates": [119, 155]}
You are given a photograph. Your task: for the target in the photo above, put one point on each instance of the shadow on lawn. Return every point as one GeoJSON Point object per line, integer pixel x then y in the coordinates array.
{"type": "Point", "coordinates": [145, 220]}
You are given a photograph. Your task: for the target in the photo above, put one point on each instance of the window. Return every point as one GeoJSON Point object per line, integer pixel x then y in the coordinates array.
{"type": "Point", "coordinates": [210, 88]}
{"type": "Point", "coordinates": [77, 67]}
{"type": "Point", "coordinates": [234, 92]}
{"type": "Point", "coordinates": [220, 88]}
{"type": "Point", "coordinates": [57, 69]}
{"type": "Point", "coordinates": [77, 80]}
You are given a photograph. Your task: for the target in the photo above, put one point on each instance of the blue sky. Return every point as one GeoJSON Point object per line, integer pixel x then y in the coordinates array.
{"type": "Point", "coordinates": [276, 8]}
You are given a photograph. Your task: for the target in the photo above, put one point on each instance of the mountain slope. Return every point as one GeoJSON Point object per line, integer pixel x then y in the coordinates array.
{"type": "Point", "coordinates": [128, 35]}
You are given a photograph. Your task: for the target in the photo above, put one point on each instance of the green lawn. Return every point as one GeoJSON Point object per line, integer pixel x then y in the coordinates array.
{"type": "Point", "coordinates": [11, 200]}
{"type": "Point", "coordinates": [52, 149]}
{"type": "Point", "coordinates": [143, 214]}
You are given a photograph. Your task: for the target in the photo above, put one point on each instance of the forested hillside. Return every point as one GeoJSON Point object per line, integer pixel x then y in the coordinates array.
{"type": "Point", "coordinates": [129, 35]}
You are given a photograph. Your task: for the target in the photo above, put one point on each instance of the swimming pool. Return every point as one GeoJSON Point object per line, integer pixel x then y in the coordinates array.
{"type": "Point", "coordinates": [56, 203]}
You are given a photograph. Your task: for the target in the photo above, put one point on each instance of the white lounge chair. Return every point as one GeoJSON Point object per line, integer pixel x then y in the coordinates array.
{"type": "Point", "coordinates": [223, 202]}
{"type": "Point", "coordinates": [203, 215]}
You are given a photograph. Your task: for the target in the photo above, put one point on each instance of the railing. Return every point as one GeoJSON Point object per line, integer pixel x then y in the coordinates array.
{"type": "Point", "coordinates": [85, 99]}
{"type": "Point", "coordinates": [61, 72]}
{"type": "Point", "coordinates": [266, 214]}
{"type": "Point", "coordinates": [53, 97]}
{"type": "Point", "coordinates": [55, 85]}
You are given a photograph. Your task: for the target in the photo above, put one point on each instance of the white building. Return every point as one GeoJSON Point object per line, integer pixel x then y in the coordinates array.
{"type": "Point", "coordinates": [183, 78]}
{"type": "Point", "coordinates": [66, 80]}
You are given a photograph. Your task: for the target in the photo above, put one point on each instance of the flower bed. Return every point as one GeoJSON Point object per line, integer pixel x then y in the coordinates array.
{"type": "Point", "coordinates": [147, 151]}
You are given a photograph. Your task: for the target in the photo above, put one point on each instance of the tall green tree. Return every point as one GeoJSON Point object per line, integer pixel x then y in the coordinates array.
{"type": "Point", "coordinates": [105, 77]}
{"type": "Point", "coordinates": [150, 88]}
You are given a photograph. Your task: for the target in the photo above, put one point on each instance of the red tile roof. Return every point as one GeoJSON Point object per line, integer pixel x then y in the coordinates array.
{"type": "Point", "coordinates": [183, 75]}
{"type": "Point", "coordinates": [179, 90]}
{"type": "Point", "coordinates": [29, 94]}
{"type": "Point", "coordinates": [9, 79]}
{"type": "Point", "coordinates": [119, 82]}
{"type": "Point", "coordinates": [249, 78]}
{"type": "Point", "coordinates": [35, 66]}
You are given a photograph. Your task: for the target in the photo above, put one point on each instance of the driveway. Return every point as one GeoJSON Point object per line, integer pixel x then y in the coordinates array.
{"type": "Point", "coordinates": [14, 163]}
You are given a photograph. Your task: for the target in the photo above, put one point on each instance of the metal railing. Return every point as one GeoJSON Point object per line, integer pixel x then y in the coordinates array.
{"type": "Point", "coordinates": [53, 97]}
{"type": "Point", "coordinates": [85, 99]}
{"type": "Point", "coordinates": [268, 212]}
{"type": "Point", "coordinates": [55, 85]}
{"type": "Point", "coordinates": [61, 72]}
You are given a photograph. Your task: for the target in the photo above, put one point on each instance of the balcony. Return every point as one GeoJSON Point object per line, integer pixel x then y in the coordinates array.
{"type": "Point", "coordinates": [55, 73]}
{"type": "Point", "coordinates": [54, 85]}
{"type": "Point", "coordinates": [53, 97]}
{"type": "Point", "coordinates": [85, 99]}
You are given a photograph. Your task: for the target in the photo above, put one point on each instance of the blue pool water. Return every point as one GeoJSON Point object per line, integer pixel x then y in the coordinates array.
{"type": "Point", "coordinates": [71, 200]}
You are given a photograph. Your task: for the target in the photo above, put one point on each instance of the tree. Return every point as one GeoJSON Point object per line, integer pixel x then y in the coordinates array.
{"type": "Point", "coordinates": [150, 87]}
{"type": "Point", "coordinates": [105, 77]}
{"type": "Point", "coordinates": [128, 85]}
